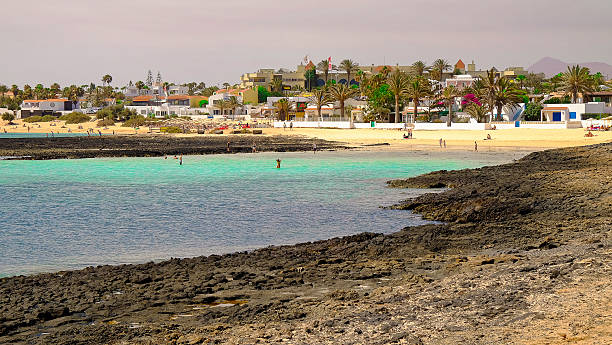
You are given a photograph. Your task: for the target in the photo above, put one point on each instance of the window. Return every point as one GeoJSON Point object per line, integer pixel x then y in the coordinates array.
{"type": "Point", "coordinates": [572, 115]}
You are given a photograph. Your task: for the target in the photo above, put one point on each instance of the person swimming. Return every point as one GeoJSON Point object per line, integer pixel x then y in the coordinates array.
{"type": "Point", "coordinates": [278, 162]}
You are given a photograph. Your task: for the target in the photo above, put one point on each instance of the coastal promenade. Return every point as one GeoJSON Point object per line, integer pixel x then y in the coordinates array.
{"type": "Point", "coordinates": [523, 255]}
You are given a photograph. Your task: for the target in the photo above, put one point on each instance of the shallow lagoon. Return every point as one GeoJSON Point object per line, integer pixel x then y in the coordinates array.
{"type": "Point", "coordinates": [69, 214]}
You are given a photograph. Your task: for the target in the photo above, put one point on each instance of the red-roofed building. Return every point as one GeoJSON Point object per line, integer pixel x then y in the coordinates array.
{"type": "Point", "coordinates": [460, 66]}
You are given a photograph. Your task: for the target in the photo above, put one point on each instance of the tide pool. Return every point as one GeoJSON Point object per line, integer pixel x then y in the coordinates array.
{"type": "Point", "coordinates": [70, 214]}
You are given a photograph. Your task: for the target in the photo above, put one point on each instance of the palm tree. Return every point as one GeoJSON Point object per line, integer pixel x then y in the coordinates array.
{"type": "Point", "coordinates": [276, 85]}
{"type": "Point", "coordinates": [349, 66]}
{"type": "Point", "coordinates": [576, 80]}
{"type": "Point", "coordinates": [107, 79]}
{"type": "Point", "coordinates": [55, 88]}
{"type": "Point", "coordinates": [398, 82]}
{"type": "Point", "coordinates": [139, 85]}
{"type": "Point", "coordinates": [363, 80]}
{"type": "Point", "coordinates": [340, 93]}
{"type": "Point", "coordinates": [232, 104]}
{"type": "Point", "coordinates": [418, 89]}
{"type": "Point", "coordinates": [419, 68]}
{"type": "Point", "coordinates": [439, 66]}
{"type": "Point", "coordinates": [448, 97]}
{"type": "Point", "coordinates": [521, 80]}
{"type": "Point", "coordinates": [323, 66]}
{"type": "Point", "coordinates": [488, 89]}
{"type": "Point", "coordinates": [479, 112]}
{"type": "Point", "coordinates": [505, 95]}
{"type": "Point", "coordinates": [75, 92]}
{"type": "Point", "coordinates": [3, 89]}
{"type": "Point", "coordinates": [320, 97]}
{"type": "Point", "coordinates": [221, 104]}
{"type": "Point", "coordinates": [15, 90]}
{"type": "Point", "coordinates": [283, 106]}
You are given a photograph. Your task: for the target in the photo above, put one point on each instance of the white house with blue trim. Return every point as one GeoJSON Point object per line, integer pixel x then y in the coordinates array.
{"type": "Point", "coordinates": [571, 112]}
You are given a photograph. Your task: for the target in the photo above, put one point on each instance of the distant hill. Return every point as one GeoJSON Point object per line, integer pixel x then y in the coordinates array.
{"type": "Point", "coordinates": [551, 66]}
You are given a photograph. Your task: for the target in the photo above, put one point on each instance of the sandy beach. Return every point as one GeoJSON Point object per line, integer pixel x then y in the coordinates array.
{"type": "Point", "coordinates": [512, 139]}
{"type": "Point", "coordinates": [509, 139]}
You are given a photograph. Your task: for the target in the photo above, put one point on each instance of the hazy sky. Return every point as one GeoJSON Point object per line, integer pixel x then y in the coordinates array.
{"type": "Point", "coordinates": [77, 41]}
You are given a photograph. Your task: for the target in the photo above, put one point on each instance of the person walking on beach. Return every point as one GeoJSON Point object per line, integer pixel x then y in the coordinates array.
{"type": "Point", "coordinates": [254, 148]}
{"type": "Point", "coordinates": [475, 146]}
{"type": "Point", "coordinates": [284, 126]}
{"type": "Point", "coordinates": [440, 142]}
{"type": "Point", "coordinates": [278, 162]}
{"type": "Point", "coordinates": [314, 148]}
{"type": "Point", "coordinates": [100, 132]}
{"type": "Point", "coordinates": [228, 146]}
{"type": "Point", "coordinates": [291, 125]}
{"type": "Point", "coordinates": [444, 143]}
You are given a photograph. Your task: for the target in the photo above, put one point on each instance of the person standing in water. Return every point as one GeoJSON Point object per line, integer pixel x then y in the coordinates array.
{"type": "Point", "coordinates": [278, 162]}
{"type": "Point", "coordinates": [181, 160]}
{"type": "Point", "coordinates": [476, 146]}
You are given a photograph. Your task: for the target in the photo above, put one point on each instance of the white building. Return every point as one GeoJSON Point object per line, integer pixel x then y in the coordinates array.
{"type": "Point", "coordinates": [461, 81]}
{"type": "Point", "coordinates": [149, 105]}
{"type": "Point", "coordinates": [213, 100]}
{"type": "Point", "coordinates": [571, 112]}
{"type": "Point", "coordinates": [155, 90]}
{"type": "Point", "coordinates": [55, 107]}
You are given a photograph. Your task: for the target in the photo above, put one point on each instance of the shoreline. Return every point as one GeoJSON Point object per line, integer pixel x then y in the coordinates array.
{"type": "Point", "coordinates": [523, 259]}
{"type": "Point", "coordinates": [153, 146]}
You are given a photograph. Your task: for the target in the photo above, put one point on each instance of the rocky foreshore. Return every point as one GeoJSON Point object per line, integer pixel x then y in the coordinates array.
{"type": "Point", "coordinates": [152, 145]}
{"type": "Point", "coordinates": [523, 257]}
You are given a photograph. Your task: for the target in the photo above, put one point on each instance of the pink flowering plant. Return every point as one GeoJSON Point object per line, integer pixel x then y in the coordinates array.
{"type": "Point", "coordinates": [470, 98]}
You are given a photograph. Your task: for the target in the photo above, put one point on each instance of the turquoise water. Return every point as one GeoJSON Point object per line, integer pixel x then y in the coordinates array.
{"type": "Point", "coordinates": [69, 214]}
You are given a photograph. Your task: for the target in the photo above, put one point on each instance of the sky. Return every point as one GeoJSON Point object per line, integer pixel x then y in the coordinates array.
{"type": "Point", "coordinates": [78, 41]}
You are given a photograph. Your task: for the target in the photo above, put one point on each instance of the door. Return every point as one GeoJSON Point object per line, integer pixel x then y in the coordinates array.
{"type": "Point", "coordinates": [557, 116]}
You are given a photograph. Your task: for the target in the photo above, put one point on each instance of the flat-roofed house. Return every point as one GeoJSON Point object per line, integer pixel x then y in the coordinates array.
{"type": "Point", "coordinates": [41, 107]}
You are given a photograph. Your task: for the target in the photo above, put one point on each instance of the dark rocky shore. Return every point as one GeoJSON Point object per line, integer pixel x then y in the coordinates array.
{"type": "Point", "coordinates": [524, 256]}
{"type": "Point", "coordinates": [152, 145]}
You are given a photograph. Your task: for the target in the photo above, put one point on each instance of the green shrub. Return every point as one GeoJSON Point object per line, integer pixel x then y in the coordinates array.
{"type": "Point", "coordinates": [557, 100]}
{"type": "Point", "coordinates": [8, 117]}
{"type": "Point", "coordinates": [595, 116]}
{"type": "Point", "coordinates": [105, 123]}
{"type": "Point", "coordinates": [116, 112]}
{"type": "Point", "coordinates": [33, 119]}
{"type": "Point", "coordinates": [532, 112]}
{"type": "Point", "coordinates": [75, 117]}
{"type": "Point", "coordinates": [48, 118]}
{"type": "Point", "coordinates": [171, 129]}
{"type": "Point", "coordinates": [135, 121]}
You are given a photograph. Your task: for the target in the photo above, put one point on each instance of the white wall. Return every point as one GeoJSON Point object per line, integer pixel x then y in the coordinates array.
{"type": "Point", "coordinates": [581, 108]}
{"type": "Point", "coordinates": [429, 126]}
{"type": "Point", "coordinates": [432, 126]}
